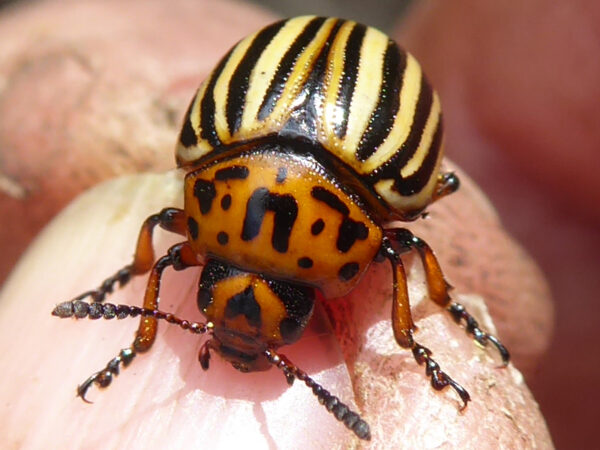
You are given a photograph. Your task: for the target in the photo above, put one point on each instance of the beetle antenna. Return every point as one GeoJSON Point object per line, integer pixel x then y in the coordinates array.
{"type": "Point", "coordinates": [340, 410]}
{"type": "Point", "coordinates": [95, 310]}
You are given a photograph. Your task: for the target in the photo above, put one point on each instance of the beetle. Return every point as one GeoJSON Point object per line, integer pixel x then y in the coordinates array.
{"type": "Point", "coordinates": [307, 140]}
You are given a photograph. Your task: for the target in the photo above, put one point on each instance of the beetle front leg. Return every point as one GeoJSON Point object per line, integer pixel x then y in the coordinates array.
{"type": "Point", "coordinates": [403, 326]}
{"type": "Point", "coordinates": [180, 257]}
{"type": "Point", "coordinates": [402, 240]}
{"type": "Point", "coordinates": [447, 183]}
{"type": "Point", "coordinates": [170, 219]}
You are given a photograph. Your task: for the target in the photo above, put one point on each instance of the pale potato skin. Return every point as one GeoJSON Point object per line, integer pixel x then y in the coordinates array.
{"type": "Point", "coordinates": [123, 117]}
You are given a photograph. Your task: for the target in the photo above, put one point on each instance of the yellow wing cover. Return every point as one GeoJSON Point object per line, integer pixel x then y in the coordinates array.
{"type": "Point", "coordinates": [345, 89]}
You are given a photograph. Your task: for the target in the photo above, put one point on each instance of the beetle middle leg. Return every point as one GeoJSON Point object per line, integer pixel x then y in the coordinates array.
{"type": "Point", "coordinates": [402, 241]}
{"type": "Point", "coordinates": [403, 326]}
{"type": "Point", "coordinates": [180, 257]}
{"type": "Point", "coordinates": [170, 219]}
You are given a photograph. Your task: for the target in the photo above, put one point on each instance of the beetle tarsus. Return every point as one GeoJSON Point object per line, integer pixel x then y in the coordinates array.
{"type": "Point", "coordinates": [447, 184]}
{"type": "Point", "coordinates": [94, 310]}
{"type": "Point", "coordinates": [121, 277]}
{"type": "Point", "coordinates": [459, 313]}
{"type": "Point", "coordinates": [104, 377]}
{"type": "Point", "coordinates": [439, 379]}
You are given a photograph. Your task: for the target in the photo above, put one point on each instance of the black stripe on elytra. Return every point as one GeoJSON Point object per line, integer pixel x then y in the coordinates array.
{"type": "Point", "coordinates": [306, 121]}
{"type": "Point", "coordinates": [205, 192]}
{"type": "Point", "coordinates": [240, 79]}
{"type": "Point", "coordinates": [286, 66]}
{"type": "Point", "coordinates": [417, 180]}
{"type": "Point", "coordinates": [321, 64]}
{"type": "Point", "coordinates": [330, 199]}
{"type": "Point", "coordinates": [232, 173]}
{"type": "Point", "coordinates": [383, 117]}
{"type": "Point", "coordinates": [348, 82]}
{"type": "Point", "coordinates": [192, 228]}
{"type": "Point", "coordinates": [208, 130]}
{"type": "Point", "coordinates": [391, 168]}
{"type": "Point", "coordinates": [188, 137]}
{"type": "Point", "coordinates": [244, 304]}
{"type": "Point", "coordinates": [285, 208]}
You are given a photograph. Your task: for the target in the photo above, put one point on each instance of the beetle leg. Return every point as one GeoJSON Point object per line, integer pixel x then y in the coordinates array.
{"type": "Point", "coordinates": [447, 183]}
{"type": "Point", "coordinates": [402, 322]}
{"type": "Point", "coordinates": [403, 326]}
{"type": "Point", "coordinates": [403, 240]}
{"type": "Point", "coordinates": [180, 257]}
{"type": "Point", "coordinates": [341, 411]}
{"type": "Point", "coordinates": [170, 219]}
{"type": "Point", "coordinates": [80, 309]}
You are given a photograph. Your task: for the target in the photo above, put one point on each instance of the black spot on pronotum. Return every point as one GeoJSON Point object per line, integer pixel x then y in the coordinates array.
{"type": "Point", "coordinates": [222, 238]}
{"type": "Point", "coordinates": [305, 262]}
{"type": "Point", "coordinates": [226, 202]}
{"type": "Point", "coordinates": [317, 227]}
{"type": "Point", "coordinates": [330, 199]}
{"type": "Point", "coordinates": [285, 208]}
{"type": "Point", "coordinates": [255, 213]}
{"type": "Point", "coordinates": [244, 304]}
{"type": "Point", "coordinates": [193, 228]}
{"type": "Point", "coordinates": [205, 192]}
{"type": "Point", "coordinates": [348, 271]}
{"type": "Point", "coordinates": [281, 175]}
{"type": "Point", "coordinates": [232, 173]}
{"type": "Point", "coordinates": [350, 231]}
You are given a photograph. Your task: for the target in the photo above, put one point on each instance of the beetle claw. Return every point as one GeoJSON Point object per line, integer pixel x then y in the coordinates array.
{"type": "Point", "coordinates": [83, 387]}
{"type": "Point", "coordinates": [501, 349]}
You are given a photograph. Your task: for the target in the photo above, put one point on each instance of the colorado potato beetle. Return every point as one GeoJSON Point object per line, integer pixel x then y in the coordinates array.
{"type": "Point", "coordinates": [301, 147]}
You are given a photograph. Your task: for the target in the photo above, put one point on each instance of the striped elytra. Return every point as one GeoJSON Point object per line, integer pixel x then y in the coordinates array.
{"type": "Point", "coordinates": [338, 90]}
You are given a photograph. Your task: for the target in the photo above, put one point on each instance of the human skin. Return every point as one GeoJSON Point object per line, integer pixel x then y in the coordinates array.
{"type": "Point", "coordinates": [164, 398]}
{"type": "Point", "coordinates": [519, 88]}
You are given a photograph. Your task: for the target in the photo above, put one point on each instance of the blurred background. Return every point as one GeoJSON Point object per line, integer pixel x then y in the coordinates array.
{"type": "Point", "coordinates": [519, 85]}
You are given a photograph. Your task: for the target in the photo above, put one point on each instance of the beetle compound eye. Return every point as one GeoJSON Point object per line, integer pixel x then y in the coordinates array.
{"type": "Point", "coordinates": [303, 145]}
